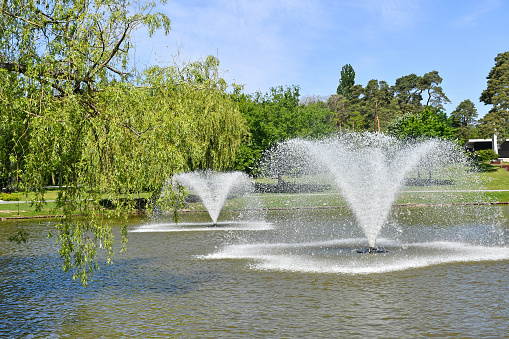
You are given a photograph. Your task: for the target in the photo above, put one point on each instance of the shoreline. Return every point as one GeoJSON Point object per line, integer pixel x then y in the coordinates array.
{"type": "Point", "coordinates": [484, 203]}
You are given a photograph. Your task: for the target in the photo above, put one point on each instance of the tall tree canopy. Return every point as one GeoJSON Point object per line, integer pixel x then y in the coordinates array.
{"type": "Point", "coordinates": [411, 90]}
{"type": "Point", "coordinates": [497, 94]}
{"type": "Point", "coordinates": [406, 89]}
{"type": "Point", "coordinates": [373, 107]}
{"type": "Point", "coordinates": [430, 85]}
{"type": "Point", "coordinates": [465, 113]}
{"type": "Point", "coordinates": [378, 95]}
{"type": "Point", "coordinates": [74, 109]}
{"type": "Point", "coordinates": [346, 81]}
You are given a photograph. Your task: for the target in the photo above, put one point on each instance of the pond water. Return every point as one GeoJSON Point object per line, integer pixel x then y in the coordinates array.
{"type": "Point", "coordinates": [295, 274]}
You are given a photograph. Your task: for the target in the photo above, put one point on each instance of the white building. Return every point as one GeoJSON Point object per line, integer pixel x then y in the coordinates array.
{"type": "Point", "coordinates": [502, 149]}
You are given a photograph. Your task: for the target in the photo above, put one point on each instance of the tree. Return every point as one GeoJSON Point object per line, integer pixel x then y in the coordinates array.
{"type": "Point", "coordinates": [346, 81]}
{"type": "Point", "coordinates": [409, 90]}
{"type": "Point", "coordinates": [497, 94]}
{"type": "Point", "coordinates": [336, 104]}
{"type": "Point", "coordinates": [76, 107]}
{"type": "Point", "coordinates": [374, 103]}
{"type": "Point", "coordinates": [492, 123]}
{"type": "Point", "coordinates": [356, 122]}
{"type": "Point", "coordinates": [278, 115]}
{"type": "Point", "coordinates": [315, 120]}
{"type": "Point", "coordinates": [465, 113]}
{"type": "Point", "coordinates": [428, 124]}
{"type": "Point", "coordinates": [377, 94]}
{"type": "Point", "coordinates": [357, 113]}
{"type": "Point", "coordinates": [408, 93]}
{"type": "Point", "coordinates": [429, 83]}
{"type": "Point", "coordinates": [271, 117]}
{"type": "Point", "coordinates": [463, 118]}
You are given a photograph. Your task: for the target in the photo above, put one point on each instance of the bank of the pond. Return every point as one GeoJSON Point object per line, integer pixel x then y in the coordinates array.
{"type": "Point", "coordinates": [275, 202]}
{"type": "Point", "coordinates": [495, 190]}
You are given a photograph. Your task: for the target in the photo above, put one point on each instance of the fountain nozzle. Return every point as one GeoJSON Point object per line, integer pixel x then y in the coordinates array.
{"type": "Point", "coordinates": [372, 250]}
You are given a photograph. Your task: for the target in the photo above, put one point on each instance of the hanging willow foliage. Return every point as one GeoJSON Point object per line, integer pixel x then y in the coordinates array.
{"type": "Point", "coordinates": [137, 138]}
{"type": "Point", "coordinates": [72, 112]}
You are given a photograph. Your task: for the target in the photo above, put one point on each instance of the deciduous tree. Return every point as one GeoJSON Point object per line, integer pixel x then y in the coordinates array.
{"type": "Point", "coordinates": [77, 107]}
{"type": "Point", "coordinates": [428, 123]}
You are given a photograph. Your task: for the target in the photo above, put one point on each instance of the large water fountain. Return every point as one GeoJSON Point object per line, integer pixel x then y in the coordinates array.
{"type": "Point", "coordinates": [368, 168]}
{"type": "Point", "coordinates": [444, 274]}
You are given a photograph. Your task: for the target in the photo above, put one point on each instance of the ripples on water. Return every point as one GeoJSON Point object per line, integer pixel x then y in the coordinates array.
{"type": "Point", "coordinates": [278, 279]}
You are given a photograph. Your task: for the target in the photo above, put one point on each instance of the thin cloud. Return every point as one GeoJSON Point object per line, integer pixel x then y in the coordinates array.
{"type": "Point", "coordinates": [259, 42]}
{"type": "Point", "coordinates": [474, 16]}
{"type": "Point", "coordinates": [268, 43]}
{"type": "Point", "coordinates": [390, 14]}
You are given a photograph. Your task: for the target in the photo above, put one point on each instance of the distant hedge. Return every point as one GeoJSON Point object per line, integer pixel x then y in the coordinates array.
{"type": "Point", "coordinates": [9, 196]}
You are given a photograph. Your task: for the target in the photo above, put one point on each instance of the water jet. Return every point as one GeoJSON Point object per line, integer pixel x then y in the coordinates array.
{"type": "Point", "coordinates": [369, 169]}
{"type": "Point", "coordinates": [213, 188]}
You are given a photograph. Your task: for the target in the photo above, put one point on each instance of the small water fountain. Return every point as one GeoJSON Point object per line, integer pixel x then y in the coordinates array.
{"type": "Point", "coordinates": [213, 188]}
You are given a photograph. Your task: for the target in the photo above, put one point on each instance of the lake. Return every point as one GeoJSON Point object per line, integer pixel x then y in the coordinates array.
{"type": "Point", "coordinates": [290, 274]}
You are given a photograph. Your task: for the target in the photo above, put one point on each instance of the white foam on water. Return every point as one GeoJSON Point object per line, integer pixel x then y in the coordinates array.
{"type": "Point", "coordinates": [339, 257]}
{"type": "Point", "coordinates": [204, 227]}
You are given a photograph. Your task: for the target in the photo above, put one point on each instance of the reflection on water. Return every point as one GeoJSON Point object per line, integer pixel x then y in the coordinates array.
{"type": "Point", "coordinates": [296, 275]}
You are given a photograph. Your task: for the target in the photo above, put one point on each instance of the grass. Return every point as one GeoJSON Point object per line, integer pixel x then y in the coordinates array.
{"type": "Point", "coordinates": [24, 209]}
{"type": "Point", "coordinates": [494, 178]}
{"type": "Point", "coordinates": [497, 178]}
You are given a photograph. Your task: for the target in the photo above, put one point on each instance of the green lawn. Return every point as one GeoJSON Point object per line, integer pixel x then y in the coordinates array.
{"type": "Point", "coordinates": [497, 178]}
{"type": "Point", "coordinates": [24, 209]}
{"type": "Point", "coordinates": [494, 178]}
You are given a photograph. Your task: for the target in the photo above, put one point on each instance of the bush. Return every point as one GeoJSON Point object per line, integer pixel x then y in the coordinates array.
{"type": "Point", "coordinates": [486, 154]}
{"type": "Point", "coordinates": [9, 196]}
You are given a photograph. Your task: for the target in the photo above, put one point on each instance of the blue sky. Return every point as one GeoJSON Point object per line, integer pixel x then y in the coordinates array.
{"type": "Point", "coordinates": [269, 43]}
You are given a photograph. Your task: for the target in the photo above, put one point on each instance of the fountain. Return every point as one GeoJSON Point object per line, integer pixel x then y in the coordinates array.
{"type": "Point", "coordinates": [368, 168]}
{"type": "Point", "coordinates": [213, 188]}
{"type": "Point", "coordinates": [415, 204]}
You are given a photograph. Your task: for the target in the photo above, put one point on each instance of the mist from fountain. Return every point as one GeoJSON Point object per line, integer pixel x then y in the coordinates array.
{"type": "Point", "coordinates": [213, 187]}
{"type": "Point", "coordinates": [369, 169]}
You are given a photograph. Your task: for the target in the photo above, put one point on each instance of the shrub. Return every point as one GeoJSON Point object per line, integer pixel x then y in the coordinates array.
{"type": "Point", "coordinates": [9, 196]}
{"type": "Point", "coordinates": [486, 154]}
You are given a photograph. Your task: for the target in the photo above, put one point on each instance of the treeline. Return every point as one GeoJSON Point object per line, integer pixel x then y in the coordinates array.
{"type": "Point", "coordinates": [412, 107]}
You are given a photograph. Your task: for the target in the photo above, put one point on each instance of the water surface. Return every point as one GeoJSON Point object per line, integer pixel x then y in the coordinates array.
{"type": "Point", "coordinates": [292, 275]}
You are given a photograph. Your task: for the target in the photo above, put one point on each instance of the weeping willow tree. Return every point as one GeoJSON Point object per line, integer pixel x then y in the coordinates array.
{"type": "Point", "coordinates": [73, 109]}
